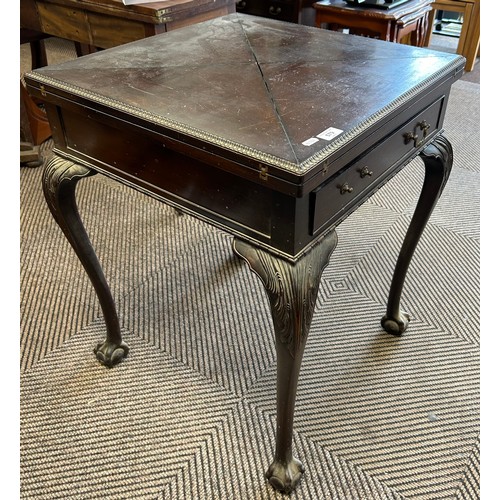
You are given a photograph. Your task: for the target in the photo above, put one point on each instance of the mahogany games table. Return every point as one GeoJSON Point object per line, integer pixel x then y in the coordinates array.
{"type": "Point", "coordinates": [274, 132]}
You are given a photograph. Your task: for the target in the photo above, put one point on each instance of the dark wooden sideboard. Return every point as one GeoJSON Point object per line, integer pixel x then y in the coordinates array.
{"type": "Point", "coordinates": [294, 11]}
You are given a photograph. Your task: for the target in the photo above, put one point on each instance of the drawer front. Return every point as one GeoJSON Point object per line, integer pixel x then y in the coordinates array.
{"type": "Point", "coordinates": [349, 187]}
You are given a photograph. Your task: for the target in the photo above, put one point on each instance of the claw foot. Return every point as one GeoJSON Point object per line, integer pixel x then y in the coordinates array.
{"type": "Point", "coordinates": [396, 325]}
{"type": "Point", "coordinates": [110, 354]}
{"type": "Point", "coordinates": [285, 476]}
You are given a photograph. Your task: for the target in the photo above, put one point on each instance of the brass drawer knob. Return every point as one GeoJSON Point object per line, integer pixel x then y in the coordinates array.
{"type": "Point", "coordinates": [345, 188]}
{"type": "Point", "coordinates": [424, 126]}
{"type": "Point", "coordinates": [365, 171]}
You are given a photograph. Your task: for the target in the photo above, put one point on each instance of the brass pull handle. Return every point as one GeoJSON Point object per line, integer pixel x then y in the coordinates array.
{"type": "Point", "coordinates": [424, 126]}
{"type": "Point", "coordinates": [274, 10]}
{"type": "Point", "coordinates": [365, 171]}
{"type": "Point", "coordinates": [345, 188]}
{"type": "Point", "coordinates": [413, 136]}
{"type": "Point", "coordinates": [410, 136]}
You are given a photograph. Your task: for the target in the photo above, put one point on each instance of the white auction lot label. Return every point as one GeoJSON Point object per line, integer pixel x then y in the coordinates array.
{"type": "Point", "coordinates": [327, 135]}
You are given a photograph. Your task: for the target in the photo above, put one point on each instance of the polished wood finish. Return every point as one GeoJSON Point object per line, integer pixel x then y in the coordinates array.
{"type": "Point", "coordinates": [406, 22]}
{"type": "Point", "coordinates": [438, 161]}
{"type": "Point", "coordinates": [60, 178]}
{"type": "Point", "coordinates": [108, 23]}
{"type": "Point", "coordinates": [272, 131]}
{"type": "Point", "coordinates": [468, 43]}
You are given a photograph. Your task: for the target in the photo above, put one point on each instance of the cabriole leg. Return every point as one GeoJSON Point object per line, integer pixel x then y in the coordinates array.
{"type": "Point", "coordinates": [292, 289]}
{"type": "Point", "coordinates": [59, 181]}
{"type": "Point", "coordinates": [438, 160]}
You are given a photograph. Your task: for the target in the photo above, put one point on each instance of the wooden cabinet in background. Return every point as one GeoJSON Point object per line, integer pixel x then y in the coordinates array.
{"type": "Point", "coordinates": [294, 11]}
{"type": "Point", "coordinates": [108, 23]}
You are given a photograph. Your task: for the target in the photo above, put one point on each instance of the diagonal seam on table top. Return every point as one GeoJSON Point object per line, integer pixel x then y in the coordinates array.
{"type": "Point", "coordinates": [286, 162]}
{"type": "Point", "coordinates": [269, 93]}
{"type": "Point", "coordinates": [277, 162]}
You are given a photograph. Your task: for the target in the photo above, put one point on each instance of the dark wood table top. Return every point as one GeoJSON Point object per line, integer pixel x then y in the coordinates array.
{"type": "Point", "coordinates": [257, 87]}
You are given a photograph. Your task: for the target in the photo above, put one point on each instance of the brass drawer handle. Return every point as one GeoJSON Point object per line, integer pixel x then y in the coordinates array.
{"type": "Point", "coordinates": [424, 126]}
{"type": "Point", "coordinates": [345, 188]}
{"type": "Point", "coordinates": [365, 171]}
{"type": "Point", "coordinates": [413, 136]}
{"type": "Point", "coordinates": [274, 11]}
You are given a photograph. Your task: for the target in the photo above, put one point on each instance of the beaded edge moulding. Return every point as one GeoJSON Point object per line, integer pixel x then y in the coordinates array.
{"type": "Point", "coordinates": [296, 168]}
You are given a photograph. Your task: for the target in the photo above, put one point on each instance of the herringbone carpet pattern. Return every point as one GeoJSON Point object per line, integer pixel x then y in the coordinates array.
{"type": "Point", "coordinates": [190, 413]}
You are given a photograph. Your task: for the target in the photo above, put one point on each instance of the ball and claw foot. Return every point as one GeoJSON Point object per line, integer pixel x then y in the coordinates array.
{"type": "Point", "coordinates": [285, 476]}
{"type": "Point", "coordinates": [396, 326]}
{"type": "Point", "coordinates": [110, 354]}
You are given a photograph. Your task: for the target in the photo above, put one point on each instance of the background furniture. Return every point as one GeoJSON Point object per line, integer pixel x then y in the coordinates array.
{"type": "Point", "coordinates": [34, 124]}
{"type": "Point", "coordinates": [93, 24]}
{"type": "Point", "coordinates": [107, 23]}
{"type": "Point", "coordinates": [295, 11]}
{"type": "Point", "coordinates": [406, 22]}
{"type": "Point", "coordinates": [252, 162]}
{"type": "Point", "coordinates": [468, 43]}
{"type": "Point", "coordinates": [36, 40]}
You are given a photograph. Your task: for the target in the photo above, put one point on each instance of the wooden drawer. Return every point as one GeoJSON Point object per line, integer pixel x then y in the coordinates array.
{"type": "Point", "coordinates": [347, 188]}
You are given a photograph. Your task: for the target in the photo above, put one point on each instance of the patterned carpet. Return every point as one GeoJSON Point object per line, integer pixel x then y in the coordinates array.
{"type": "Point", "coordinates": [190, 414]}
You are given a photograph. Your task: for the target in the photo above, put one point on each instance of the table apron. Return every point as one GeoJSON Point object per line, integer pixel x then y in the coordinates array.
{"type": "Point", "coordinates": [216, 192]}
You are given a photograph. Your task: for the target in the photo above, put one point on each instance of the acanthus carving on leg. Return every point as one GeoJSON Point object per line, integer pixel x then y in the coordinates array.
{"type": "Point", "coordinates": [438, 161]}
{"type": "Point", "coordinates": [59, 181]}
{"type": "Point", "coordinates": [292, 289]}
